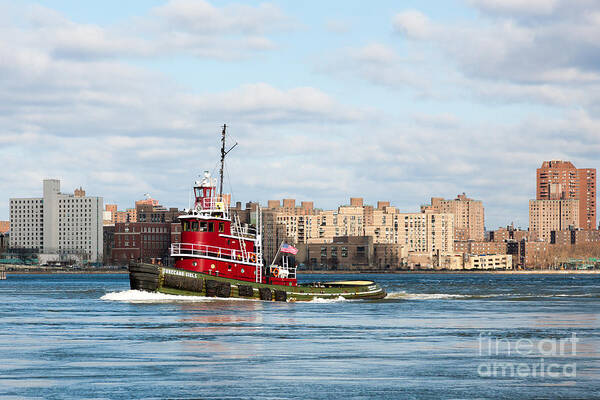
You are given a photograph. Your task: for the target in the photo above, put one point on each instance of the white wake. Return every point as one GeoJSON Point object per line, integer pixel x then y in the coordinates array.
{"type": "Point", "coordinates": [322, 300]}
{"type": "Point", "coordinates": [425, 296]}
{"type": "Point", "coordinates": [140, 296]}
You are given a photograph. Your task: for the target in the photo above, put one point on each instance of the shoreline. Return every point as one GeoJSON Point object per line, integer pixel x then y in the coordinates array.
{"type": "Point", "coordinates": [35, 271]}
{"type": "Point", "coordinates": [434, 272]}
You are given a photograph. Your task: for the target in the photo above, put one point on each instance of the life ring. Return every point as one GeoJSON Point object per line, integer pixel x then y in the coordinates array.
{"type": "Point", "coordinates": [275, 272]}
{"type": "Point", "coordinates": [252, 257]}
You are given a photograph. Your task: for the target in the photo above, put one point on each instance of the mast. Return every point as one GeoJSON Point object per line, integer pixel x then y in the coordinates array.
{"type": "Point", "coordinates": [223, 154]}
{"type": "Point", "coordinates": [222, 159]}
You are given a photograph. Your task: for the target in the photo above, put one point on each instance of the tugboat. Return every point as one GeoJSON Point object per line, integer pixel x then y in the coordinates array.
{"type": "Point", "coordinates": [218, 257]}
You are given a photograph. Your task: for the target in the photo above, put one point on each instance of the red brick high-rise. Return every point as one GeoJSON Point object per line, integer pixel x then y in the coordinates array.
{"type": "Point", "coordinates": [557, 180]}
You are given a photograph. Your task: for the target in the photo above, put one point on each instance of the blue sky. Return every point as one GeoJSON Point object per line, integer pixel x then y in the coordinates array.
{"type": "Point", "coordinates": [388, 100]}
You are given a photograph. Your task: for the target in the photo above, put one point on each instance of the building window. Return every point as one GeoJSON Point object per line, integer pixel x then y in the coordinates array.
{"type": "Point", "coordinates": [344, 252]}
{"type": "Point", "coordinates": [334, 252]}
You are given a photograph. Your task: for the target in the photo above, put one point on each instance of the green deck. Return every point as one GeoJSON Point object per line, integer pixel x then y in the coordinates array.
{"type": "Point", "coordinates": [366, 290]}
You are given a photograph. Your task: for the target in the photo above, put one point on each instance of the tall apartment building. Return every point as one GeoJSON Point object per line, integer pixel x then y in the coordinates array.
{"type": "Point", "coordinates": [345, 221]}
{"type": "Point", "coordinates": [557, 180]}
{"type": "Point", "coordinates": [546, 216]}
{"type": "Point", "coordinates": [469, 218]}
{"type": "Point", "coordinates": [382, 223]}
{"type": "Point", "coordinates": [426, 232]}
{"type": "Point", "coordinates": [58, 223]}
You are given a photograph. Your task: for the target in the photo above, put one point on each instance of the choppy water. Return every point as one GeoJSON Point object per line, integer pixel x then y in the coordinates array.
{"type": "Point", "coordinates": [87, 336]}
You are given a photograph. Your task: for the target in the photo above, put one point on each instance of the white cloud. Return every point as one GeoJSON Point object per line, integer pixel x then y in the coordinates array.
{"type": "Point", "coordinates": [120, 130]}
{"type": "Point", "coordinates": [529, 51]}
{"type": "Point", "coordinates": [262, 102]}
{"type": "Point", "coordinates": [413, 24]}
{"type": "Point", "coordinates": [375, 53]}
{"type": "Point", "coordinates": [529, 7]}
{"type": "Point", "coordinates": [202, 17]}
{"type": "Point", "coordinates": [442, 120]}
{"type": "Point", "coordinates": [379, 64]}
{"type": "Point", "coordinates": [189, 27]}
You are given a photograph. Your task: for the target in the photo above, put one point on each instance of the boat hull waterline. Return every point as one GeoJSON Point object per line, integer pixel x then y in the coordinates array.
{"type": "Point", "coordinates": [168, 280]}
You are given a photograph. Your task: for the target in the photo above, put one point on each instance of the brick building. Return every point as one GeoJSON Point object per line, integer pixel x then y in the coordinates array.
{"type": "Point", "coordinates": [109, 243]}
{"type": "Point", "coordinates": [113, 216]}
{"type": "Point", "coordinates": [469, 218]}
{"type": "Point", "coordinates": [507, 234]}
{"type": "Point", "coordinates": [557, 180]}
{"type": "Point", "coordinates": [145, 241]}
{"type": "Point", "coordinates": [4, 241]}
{"type": "Point", "coordinates": [352, 253]}
{"type": "Point", "coordinates": [534, 255]}
{"type": "Point", "coordinates": [574, 236]}
{"type": "Point", "coordinates": [151, 213]}
{"type": "Point", "coordinates": [477, 247]}
{"type": "Point", "coordinates": [552, 215]}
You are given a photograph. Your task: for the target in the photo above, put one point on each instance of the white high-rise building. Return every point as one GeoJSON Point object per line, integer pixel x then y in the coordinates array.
{"type": "Point", "coordinates": [58, 223]}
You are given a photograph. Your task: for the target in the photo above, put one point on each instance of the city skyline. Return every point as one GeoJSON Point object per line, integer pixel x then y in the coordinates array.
{"type": "Point", "coordinates": [395, 105]}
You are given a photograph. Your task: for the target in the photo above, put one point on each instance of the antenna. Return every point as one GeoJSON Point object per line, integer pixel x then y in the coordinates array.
{"type": "Point", "coordinates": [223, 154]}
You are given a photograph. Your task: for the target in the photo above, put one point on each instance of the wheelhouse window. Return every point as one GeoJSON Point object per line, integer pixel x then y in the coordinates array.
{"type": "Point", "coordinates": [203, 226]}
{"type": "Point", "coordinates": [211, 227]}
{"type": "Point", "coordinates": [194, 226]}
{"type": "Point", "coordinates": [185, 226]}
{"type": "Point", "coordinates": [221, 226]}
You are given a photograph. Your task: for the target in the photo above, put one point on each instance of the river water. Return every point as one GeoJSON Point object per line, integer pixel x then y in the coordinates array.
{"type": "Point", "coordinates": [435, 336]}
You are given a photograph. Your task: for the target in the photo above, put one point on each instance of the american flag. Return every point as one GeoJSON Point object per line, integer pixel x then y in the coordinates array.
{"type": "Point", "coordinates": [286, 248]}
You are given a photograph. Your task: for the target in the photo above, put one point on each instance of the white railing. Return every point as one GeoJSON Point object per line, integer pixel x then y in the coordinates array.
{"type": "Point", "coordinates": [284, 270]}
{"type": "Point", "coordinates": [200, 250]}
{"type": "Point", "coordinates": [214, 204]}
